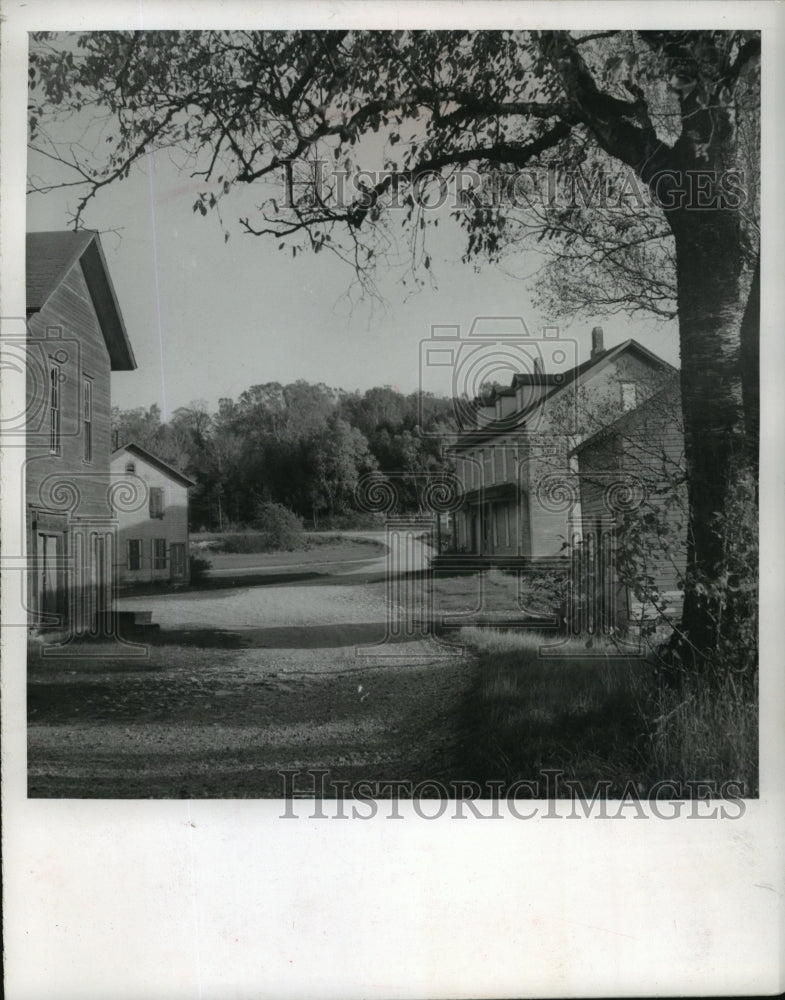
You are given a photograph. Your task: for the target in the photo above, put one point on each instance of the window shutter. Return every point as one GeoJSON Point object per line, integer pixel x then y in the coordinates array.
{"type": "Point", "coordinates": [156, 502]}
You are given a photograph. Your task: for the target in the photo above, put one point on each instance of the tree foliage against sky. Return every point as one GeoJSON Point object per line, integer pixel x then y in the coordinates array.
{"type": "Point", "coordinates": [301, 445]}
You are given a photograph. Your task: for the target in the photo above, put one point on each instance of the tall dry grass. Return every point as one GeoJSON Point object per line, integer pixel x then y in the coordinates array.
{"type": "Point", "coordinates": [705, 735]}
{"type": "Point", "coordinates": [599, 715]}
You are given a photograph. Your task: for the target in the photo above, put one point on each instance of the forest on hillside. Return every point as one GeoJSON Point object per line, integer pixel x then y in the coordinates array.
{"type": "Point", "coordinates": [300, 445]}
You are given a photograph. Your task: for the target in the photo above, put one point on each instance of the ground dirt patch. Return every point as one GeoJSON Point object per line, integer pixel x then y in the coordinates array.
{"type": "Point", "coordinates": [221, 724]}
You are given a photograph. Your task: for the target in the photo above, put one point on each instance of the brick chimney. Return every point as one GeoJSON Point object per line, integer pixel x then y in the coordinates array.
{"type": "Point", "coordinates": [596, 342]}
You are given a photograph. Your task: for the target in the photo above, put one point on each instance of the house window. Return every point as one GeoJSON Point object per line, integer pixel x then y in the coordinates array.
{"type": "Point", "coordinates": [87, 418]}
{"type": "Point", "coordinates": [55, 379]}
{"type": "Point", "coordinates": [159, 553]}
{"type": "Point", "coordinates": [629, 395]}
{"type": "Point", "coordinates": [135, 553]}
{"type": "Point", "coordinates": [130, 467]}
{"type": "Point", "coordinates": [488, 466]}
{"type": "Point", "coordinates": [498, 463]}
{"type": "Point", "coordinates": [156, 501]}
{"type": "Point", "coordinates": [512, 472]}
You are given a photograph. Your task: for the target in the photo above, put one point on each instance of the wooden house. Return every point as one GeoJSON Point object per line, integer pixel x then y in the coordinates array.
{"type": "Point", "coordinates": [153, 526]}
{"type": "Point", "coordinates": [76, 338]}
{"type": "Point", "coordinates": [632, 475]}
{"type": "Point", "coordinates": [517, 464]}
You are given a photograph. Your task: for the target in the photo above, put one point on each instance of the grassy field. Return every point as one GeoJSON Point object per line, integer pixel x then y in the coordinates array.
{"type": "Point", "coordinates": [336, 550]}
{"type": "Point", "coordinates": [488, 596]}
{"type": "Point", "coordinates": [493, 595]}
{"type": "Point", "coordinates": [599, 716]}
{"type": "Point", "coordinates": [489, 593]}
{"type": "Point", "coordinates": [238, 542]}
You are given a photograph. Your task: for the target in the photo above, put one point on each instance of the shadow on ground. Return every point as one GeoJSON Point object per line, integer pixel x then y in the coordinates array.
{"type": "Point", "coordinates": [281, 637]}
{"type": "Point", "coordinates": [264, 579]}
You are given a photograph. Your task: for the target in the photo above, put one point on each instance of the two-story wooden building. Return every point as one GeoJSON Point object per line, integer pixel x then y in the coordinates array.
{"type": "Point", "coordinates": [634, 469]}
{"type": "Point", "coordinates": [517, 463]}
{"type": "Point", "coordinates": [153, 523]}
{"type": "Point", "coordinates": [76, 338]}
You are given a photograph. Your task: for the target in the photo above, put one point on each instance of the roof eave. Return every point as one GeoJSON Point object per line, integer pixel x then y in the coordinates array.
{"type": "Point", "coordinates": [155, 461]}
{"type": "Point", "coordinates": [102, 292]}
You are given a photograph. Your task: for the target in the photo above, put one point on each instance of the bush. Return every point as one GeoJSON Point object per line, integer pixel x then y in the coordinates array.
{"type": "Point", "coordinates": [284, 529]}
{"type": "Point", "coordinates": [243, 541]}
{"type": "Point", "coordinates": [199, 568]}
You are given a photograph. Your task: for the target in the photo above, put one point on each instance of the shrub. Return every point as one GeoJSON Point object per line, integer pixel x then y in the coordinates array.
{"type": "Point", "coordinates": [243, 541]}
{"type": "Point", "coordinates": [199, 568]}
{"type": "Point", "coordinates": [283, 528]}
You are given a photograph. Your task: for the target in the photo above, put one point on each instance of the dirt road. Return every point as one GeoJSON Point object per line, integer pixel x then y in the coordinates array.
{"type": "Point", "coordinates": [243, 682]}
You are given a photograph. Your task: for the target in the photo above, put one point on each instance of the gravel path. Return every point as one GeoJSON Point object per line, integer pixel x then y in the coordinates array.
{"type": "Point", "coordinates": [241, 684]}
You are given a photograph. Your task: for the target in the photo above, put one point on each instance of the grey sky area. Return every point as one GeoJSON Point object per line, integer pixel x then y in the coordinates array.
{"type": "Point", "coordinates": [209, 317]}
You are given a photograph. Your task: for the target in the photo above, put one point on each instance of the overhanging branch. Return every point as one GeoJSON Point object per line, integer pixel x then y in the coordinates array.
{"type": "Point", "coordinates": [497, 153]}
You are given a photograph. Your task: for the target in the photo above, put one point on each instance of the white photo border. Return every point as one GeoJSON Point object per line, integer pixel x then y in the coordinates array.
{"type": "Point", "coordinates": [137, 899]}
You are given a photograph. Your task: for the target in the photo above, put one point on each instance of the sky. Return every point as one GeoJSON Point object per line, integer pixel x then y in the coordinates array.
{"type": "Point", "coordinates": [209, 318]}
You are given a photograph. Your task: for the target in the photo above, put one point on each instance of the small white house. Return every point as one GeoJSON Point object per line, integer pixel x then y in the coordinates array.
{"type": "Point", "coordinates": [151, 504]}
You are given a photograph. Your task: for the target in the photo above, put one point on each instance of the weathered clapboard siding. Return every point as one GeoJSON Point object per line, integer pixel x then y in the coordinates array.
{"type": "Point", "coordinates": [68, 324]}
{"type": "Point", "coordinates": [73, 322]}
{"type": "Point", "coordinates": [542, 478]}
{"type": "Point", "coordinates": [595, 402]}
{"type": "Point", "coordinates": [644, 450]}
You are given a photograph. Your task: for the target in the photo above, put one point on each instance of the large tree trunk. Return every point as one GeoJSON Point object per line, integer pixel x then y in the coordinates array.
{"type": "Point", "coordinates": [711, 307]}
{"type": "Point", "coordinates": [750, 369]}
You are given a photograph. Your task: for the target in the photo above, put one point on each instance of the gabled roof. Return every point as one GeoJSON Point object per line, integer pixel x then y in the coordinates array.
{"type": "Point", "coordinates": [599, 361]}
{"type": "Point", "coordinates": [535, 378]}
{"type": "Point", "coordinates": [553, 384]}
{"type": "Point", "coordinates": [50, 257]}
{"type": "Point", "coordinates": [668, 397]}
{"type": "Point", "coordinates": [155, 461]}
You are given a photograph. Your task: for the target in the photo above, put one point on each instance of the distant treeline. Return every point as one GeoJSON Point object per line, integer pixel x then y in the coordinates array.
{"type": "Point", "coordinates": [301, 445]}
